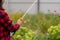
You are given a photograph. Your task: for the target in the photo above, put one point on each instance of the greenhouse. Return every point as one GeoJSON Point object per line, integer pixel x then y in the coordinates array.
{"type": "Point", "coordinates": [37, 19]}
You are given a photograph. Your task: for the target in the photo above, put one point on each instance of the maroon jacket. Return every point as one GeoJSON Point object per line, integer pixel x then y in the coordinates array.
{"type": "Point", "coordinates": [6, 26]}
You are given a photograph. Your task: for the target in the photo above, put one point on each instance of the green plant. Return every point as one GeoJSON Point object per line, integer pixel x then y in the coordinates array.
{"type": "Point", "coordinates": [24, 33]}
{"type": "Point", "coordinates": [54, 32]}
{"type": "Point", "coordinates": [35, 22]}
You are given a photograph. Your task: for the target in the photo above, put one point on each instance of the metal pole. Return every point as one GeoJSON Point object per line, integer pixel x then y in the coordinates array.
{"type": "Point", "coordinates": [38, 6]}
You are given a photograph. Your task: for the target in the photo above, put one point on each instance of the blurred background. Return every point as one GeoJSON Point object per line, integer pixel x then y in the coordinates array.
{"type": "Point", "coordinates": [23, 5]}
{"type": "Point", "coordinates": [42, 22]}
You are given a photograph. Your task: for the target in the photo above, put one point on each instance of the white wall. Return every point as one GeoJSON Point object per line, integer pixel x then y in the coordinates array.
{"type": "Point", "coordinates": [21, 0]}
{"type": "Point", "coordinates": [33, 0]}
{"type": "Point", "coordinates": [50, 0]}
{"type": "Point", "coordinates": [44, 7]}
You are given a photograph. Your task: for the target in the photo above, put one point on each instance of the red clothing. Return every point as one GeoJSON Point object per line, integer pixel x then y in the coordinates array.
{"type": "Point", "coordinates": [6, 26]}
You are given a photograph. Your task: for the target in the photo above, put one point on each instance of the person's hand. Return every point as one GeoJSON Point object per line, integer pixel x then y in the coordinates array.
{"type": "Point", "coordinates": [19, 21]}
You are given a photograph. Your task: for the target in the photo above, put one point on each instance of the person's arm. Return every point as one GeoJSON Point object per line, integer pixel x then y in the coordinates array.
{"type": "Point", "coordinates": [8, 23]}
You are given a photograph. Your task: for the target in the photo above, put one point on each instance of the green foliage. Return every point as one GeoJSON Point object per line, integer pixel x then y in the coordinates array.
{"type": "Point", "coordinates": [24, 33]}
{"type": "Point", "coordinates": [15, 17]}
{"type": "Point", "coordinates": [39, 22]}
{"type": "Point", "coordinates": [54, 32]}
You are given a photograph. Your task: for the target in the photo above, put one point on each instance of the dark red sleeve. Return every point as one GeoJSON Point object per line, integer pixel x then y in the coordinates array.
{"type": "Point", "coordinates": [8, 23]}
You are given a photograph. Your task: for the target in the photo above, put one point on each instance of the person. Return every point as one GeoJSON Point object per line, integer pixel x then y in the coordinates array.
{"type": "Point", "coordinates": [6, 25]}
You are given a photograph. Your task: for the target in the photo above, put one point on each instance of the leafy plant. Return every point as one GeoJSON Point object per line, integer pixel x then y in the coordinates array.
{"type": "Point", "coordinates": [54, 32]}
{"type": "Point", "coordinates": [24, 33]}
